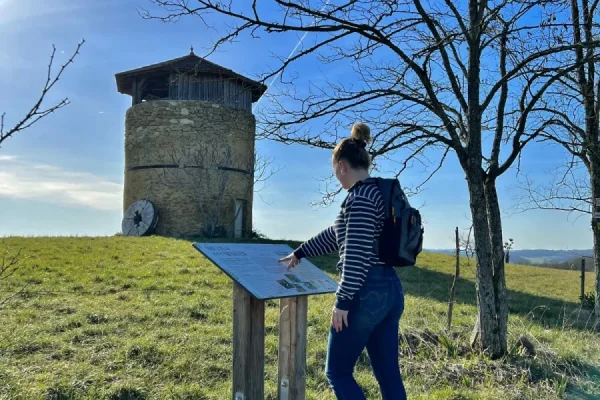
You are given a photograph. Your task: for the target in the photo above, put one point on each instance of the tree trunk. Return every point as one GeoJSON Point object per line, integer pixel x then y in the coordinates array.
{"type": "Point", "coordinates": [597, 271]}
{"type": "Point", "coordinates": [501, 296]}
{"type": "Point", "coordinates": [487, 331]}
{"type": "Point", "coordinates": [595, 186]}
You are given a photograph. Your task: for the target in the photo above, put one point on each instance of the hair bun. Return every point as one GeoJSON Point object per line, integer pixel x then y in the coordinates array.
{"type": "Point", "coordinates": [361, 133]}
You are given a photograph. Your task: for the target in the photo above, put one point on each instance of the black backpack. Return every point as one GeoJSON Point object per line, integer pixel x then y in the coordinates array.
{"type": "Point", "coordinates": [401, 238]}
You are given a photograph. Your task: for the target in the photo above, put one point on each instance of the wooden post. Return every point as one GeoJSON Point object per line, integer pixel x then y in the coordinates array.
{"type": "Point", "coordinates": [582, 279]}
{"type": "Point", "coordinates": [292, 348]}
{"type": "Point", "coordinates": [455, 281]}
{"type": "Point", "coordinates": [248, 345]}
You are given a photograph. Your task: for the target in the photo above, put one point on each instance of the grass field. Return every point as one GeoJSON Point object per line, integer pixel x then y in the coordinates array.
{"type": "Point", "coordinates": [149, 318]}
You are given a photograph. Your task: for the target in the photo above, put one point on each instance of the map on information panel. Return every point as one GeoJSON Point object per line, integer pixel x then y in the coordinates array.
{"type": "Point", "coordinates": [257, 268]}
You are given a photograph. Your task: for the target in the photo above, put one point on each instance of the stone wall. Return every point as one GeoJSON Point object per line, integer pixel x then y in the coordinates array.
{"type": "Point", "coordinates": [192, 159]}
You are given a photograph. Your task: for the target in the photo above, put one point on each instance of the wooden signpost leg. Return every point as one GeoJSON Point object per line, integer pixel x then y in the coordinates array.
{"type": "Point", "coordinates": [292, 348]}
{"type": "Point", "coordinates": [248, 345]}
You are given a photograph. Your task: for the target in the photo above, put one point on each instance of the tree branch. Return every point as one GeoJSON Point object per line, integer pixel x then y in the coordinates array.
{"type": "Point", "coordinates": [567, 192]}
{"type": "Point", "coordinates": [525, 63]}
{"type": "Point", "coordinates": [495, 156]}
{"type": "Point", "coordinates": [446, 60]}
{"type": "Point", "coordinates": [36, 112]}
{"type": "Point", "coordinates": [517, 144]}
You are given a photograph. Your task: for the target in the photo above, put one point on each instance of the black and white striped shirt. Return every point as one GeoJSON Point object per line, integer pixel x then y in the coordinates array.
{"type": "Point", "coordinates": [353, 233]}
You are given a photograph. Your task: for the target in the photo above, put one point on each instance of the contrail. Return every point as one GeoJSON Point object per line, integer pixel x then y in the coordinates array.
{"type": "Point", "coordinates": [288, 57]}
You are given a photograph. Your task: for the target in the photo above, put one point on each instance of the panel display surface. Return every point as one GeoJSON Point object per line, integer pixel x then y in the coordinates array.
{"type": "Point", "coordinates": [257, 269]}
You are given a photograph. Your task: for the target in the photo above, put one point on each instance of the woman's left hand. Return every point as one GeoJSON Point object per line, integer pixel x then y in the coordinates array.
{"type": "Point", "coordinates": [339, 318]}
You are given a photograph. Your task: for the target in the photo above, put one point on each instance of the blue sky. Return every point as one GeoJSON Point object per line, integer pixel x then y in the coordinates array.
{"type": "Point", "coordinates": [64, 176]}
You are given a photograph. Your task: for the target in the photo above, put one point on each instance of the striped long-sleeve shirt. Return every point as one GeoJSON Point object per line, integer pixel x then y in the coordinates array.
{"type": "Point", "coordinates": [353, 233]}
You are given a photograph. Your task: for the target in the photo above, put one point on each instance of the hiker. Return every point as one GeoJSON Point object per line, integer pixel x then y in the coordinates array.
{"type": "Point", "coordinates": [369, 299]}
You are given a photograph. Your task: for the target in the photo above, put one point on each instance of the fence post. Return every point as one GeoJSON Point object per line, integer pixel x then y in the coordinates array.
{"type": "Point", "coordinates": [582, 279]}
{"type": "Point", "coordinates": [454, 282]}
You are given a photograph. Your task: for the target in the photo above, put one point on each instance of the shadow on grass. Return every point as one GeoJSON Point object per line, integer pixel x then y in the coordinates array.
{"type": "Point", "coordinates": [435, 285]}
{"type": "Point", "coordinates": [580, 393]}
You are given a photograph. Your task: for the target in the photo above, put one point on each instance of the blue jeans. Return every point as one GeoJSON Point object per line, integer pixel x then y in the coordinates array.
{"type": "Point", "coordinates": [373, 322]}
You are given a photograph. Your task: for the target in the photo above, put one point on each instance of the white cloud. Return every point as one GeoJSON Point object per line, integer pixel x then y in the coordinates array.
{"type": "Point", "coordinates": [14, 11]}
{"type": "Point", "coordinates": [27, 180]}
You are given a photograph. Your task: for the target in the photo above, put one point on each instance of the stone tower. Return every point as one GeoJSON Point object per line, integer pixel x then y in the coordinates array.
{"type": "Point", "coordinates": [189, 145]}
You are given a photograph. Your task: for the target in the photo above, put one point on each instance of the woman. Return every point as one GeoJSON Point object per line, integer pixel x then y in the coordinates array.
{"type": "Point", "coordinates": [369, 300]}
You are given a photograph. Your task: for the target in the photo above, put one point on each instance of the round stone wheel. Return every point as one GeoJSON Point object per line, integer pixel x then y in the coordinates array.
{"type": "Point", "coordinates": [140, 219]}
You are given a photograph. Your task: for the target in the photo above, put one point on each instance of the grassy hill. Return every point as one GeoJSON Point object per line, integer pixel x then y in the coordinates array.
{"type": "Point", "coordinates": [145, 318]}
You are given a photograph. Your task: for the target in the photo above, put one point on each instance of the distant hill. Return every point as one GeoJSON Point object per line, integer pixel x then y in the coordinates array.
{"type": "Point", "coordinates": [539, 257]}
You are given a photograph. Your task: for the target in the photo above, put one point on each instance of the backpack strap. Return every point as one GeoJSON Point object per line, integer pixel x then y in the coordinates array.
{"type": "Point", "coordinates": [386, 187]}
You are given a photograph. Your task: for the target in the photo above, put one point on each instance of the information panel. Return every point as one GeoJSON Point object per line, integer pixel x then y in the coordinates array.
{"type": "Point", "coordinates": [257, 269]}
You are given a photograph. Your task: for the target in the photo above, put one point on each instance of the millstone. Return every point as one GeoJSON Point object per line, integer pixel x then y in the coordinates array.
{"type": "Point", "coordinates": [140, 219]}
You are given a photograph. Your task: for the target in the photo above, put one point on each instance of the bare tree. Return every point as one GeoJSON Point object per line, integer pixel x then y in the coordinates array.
{"type": "Point", "coordinates": [38, 110]}
{"type": "Point", "coordinates": [573, 109]}
{"type": "Point", "coordinates": [432, 78]}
